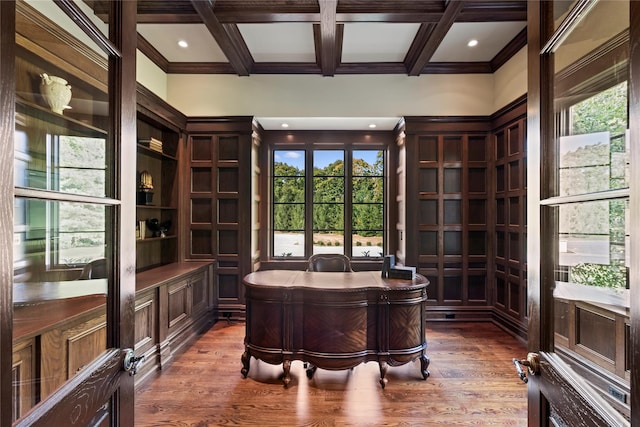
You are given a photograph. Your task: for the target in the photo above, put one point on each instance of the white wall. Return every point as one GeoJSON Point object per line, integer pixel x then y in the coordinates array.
{"type": "Point", "coordinates": [339, 96]}
{"type": "Point", "coordinates": [151, 76]}
{"type": "Point", "coordinates": [350, 96]}
{"type": "Point", "coordinates": [510, 81]}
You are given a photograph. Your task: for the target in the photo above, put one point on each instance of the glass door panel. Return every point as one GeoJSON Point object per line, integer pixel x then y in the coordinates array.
{"type": "Point", "coordinates": [64, 206]}
{"type": "Point", "coordinates": [590, 204]}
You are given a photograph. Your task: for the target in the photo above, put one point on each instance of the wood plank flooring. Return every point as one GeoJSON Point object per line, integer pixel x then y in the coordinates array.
{"type": "Point", "coordinates": [473, 383]}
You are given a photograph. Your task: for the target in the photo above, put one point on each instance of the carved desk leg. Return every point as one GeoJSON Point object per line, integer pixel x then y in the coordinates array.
{"type": "Point", "coordinates": [246, 358]}
{"type": "Point", "coordinates": [383, 372]}
{"type": "Point", "coordinates": [424, 364]}
{"type": "Point", "coordinates": [286, 366]}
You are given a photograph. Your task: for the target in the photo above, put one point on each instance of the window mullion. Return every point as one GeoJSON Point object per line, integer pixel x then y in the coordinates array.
{"type": "Point", "coordinates": [308, 203]}
{"type": "Point", "coordinates": [348, 203]}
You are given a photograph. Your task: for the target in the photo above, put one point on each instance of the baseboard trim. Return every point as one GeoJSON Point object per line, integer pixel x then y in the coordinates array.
{"type": "Point", "coordinates": [478, 314]}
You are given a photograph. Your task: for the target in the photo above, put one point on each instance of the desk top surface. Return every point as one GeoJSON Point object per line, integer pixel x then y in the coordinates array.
{"type": "Point", "coordinates": [329, 281]}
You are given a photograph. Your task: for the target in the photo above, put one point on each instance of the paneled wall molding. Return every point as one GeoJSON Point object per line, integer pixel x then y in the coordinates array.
{"type": "Point", "coordinates": [218, 187]}
{"type": "Point", "coordinates": [154, 107]}
{"type": "Point", "coordinates": [509, 324]}
{"type": "Point", "coordinates": [463, 222]}
{"type": "Point", "coordinates": [509, 201]}
{"type": "Point", "coordinates": [461, 314]}
{"type": "Point", "coordinates": [414, 124]}
{"type": "Point", "coordinates": [510, 112]}
{"type": "Point", "coordinates": [447, 223]}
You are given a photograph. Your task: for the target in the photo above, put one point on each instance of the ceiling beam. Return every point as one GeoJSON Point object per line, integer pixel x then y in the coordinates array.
{"type": "Point", "coordinates": [272, 11]}
{"type": "Point", "coordinates": [493, 11]}
{"type": "Point", "coordinates": [328, 50]}
{"type": "Point", "coordinates": [430, 44]}
{"type": "Point", "coordinates": [419, 41]}
{"type": "Point", "coordinates": [235, 50]}
{"type": "Point", "coordinates": [317, 44]}
{"type": "Point", "coordinates": [507, 52]}
{"type": "Point", "coordinates": [251, 17]}
{"type": "Point", "coordinates": [152, 53]}
{"type": "Point", "coordinates": [342, 69]}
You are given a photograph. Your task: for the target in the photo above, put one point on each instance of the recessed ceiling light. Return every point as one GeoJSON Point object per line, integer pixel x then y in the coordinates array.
{"type": "Point", "coordinates": [285, 125]}
{"type": "Point", "coordinates": [183, 43]}
{"type": "Point", "coordinates": [372, 125]}
{"type": "Point", "coordinates": [472, 43]}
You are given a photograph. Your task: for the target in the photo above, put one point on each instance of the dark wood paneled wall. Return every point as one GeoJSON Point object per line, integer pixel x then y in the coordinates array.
{"type": "Point", "coordinates": [448, 217]}
{"type": "Point", "coordinates": [510, 202]}
{"type": "Point", "coordinates": [218, 173]}
{"type": "Point", "coordinates": [464, 215]}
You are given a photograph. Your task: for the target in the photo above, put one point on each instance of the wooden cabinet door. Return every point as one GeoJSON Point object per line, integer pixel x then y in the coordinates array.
{"type": "Point", "coordinates": [23, 373]}
{"type": "Point", "coordinates": [199, 294]}
{"type": "Point", "coordinates": [69, 349]}
{"type": "Point", "coordinates": [178, 305]}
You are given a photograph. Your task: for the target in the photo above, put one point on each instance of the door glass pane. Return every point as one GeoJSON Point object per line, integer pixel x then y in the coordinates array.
{"type": "Point", "coordinates": [594, 156]}
{"type": "Point", "coordinates": [62, 264]}
{"type": "Point", "coordinates": [591, 293]}
{"type": "Point", "coordinates": [64, 209]}
{"type": "Point", "coordinates": [62, 108]}
{"type": "Point", "coordinates": [560, 10]}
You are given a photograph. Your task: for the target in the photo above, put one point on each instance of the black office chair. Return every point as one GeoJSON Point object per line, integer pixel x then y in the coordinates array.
{"type": "Point", "coordinates": [329, 262]}
{"type": "Point", "coordinates": [94, 269]}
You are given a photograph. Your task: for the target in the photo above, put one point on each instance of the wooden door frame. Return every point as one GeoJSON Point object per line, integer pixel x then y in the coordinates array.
{"type": "Point", "coordinates": [634, 207]}
{"type": "Point", "coordinates": [115, 384]}
{"type": "Point", "coordinates": [536, 102]}
{"type": "Point", "coordinates": [7, 125]}
{"type": "Point", "coordinates": [123, 106]}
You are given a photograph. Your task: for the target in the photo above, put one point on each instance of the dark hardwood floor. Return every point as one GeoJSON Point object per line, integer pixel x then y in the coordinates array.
{"type": "Point", "coordinates": [473, 383]}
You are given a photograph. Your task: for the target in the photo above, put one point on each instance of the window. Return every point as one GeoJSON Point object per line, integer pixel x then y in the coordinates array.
{"type": "Point", "coordinates": [328, 201]}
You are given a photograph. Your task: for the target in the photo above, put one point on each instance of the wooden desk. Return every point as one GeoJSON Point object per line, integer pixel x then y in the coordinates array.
{"type": "Point", "coordinates": [334, 320]}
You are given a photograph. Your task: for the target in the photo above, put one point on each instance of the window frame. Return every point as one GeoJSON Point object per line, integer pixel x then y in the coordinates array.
{"type": "Point", "coordinates": [351, 141]}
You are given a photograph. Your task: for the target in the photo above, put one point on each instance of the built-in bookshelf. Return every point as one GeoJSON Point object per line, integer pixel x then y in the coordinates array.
{"type": "Point", "coordinates": [157, 195]}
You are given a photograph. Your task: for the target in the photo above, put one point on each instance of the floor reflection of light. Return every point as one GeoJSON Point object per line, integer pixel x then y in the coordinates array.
{"type": "Point", "coordinates": [302, 401]}
{"type": "Point", "coordinates": [362, 403]}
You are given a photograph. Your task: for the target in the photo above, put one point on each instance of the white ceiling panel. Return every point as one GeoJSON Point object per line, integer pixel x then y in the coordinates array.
{"type": "Point", "coordinates": [165, 38]}
{"type": "Point", "coordinates": [377, 42]}
{"type": "Point", "coordinates": [491, 36]}
{"type": "Point", "coordinates": [287, 42]}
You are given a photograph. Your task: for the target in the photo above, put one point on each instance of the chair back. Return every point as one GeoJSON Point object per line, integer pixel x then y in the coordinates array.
{"type": "Point", "coordinates": [94, 269]}
{"type": "Point", "coordinates": [329, 262]}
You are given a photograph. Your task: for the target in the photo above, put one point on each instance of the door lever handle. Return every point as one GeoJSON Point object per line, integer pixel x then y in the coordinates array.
{"type": "Point", "coordinates": [131, 362]}
{"type": "Point", "coordinates": [532, 362]}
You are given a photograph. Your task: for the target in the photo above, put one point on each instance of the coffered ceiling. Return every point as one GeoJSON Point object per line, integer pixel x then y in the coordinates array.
{"type": "Point", "coordinates": [330, 37]}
